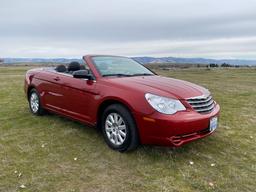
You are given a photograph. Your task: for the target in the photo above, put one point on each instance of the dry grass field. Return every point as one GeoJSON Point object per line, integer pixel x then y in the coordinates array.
{"type": "Point", "coordinates": [51, 153]}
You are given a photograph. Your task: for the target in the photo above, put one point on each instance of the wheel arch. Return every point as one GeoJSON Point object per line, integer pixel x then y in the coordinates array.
{"type": "Point", "coordinates": [110, 101]}
{"type": "Point", "coordinates": [30, 87]}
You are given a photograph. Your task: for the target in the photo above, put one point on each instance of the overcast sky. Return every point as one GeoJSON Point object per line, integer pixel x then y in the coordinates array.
{"type": "Point", "coordinates": [181, 28]}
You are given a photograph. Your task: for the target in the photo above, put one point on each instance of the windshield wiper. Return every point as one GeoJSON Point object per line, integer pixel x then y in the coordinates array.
{"type": "Point", "coordinates": [117, 74]}
{"type": "Point", "coordinates": [127, 75]}
{"type": "Point", "coordinates": [142, 74]}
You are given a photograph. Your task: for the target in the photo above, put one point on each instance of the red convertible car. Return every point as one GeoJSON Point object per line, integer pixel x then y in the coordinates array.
{"type": "Point", "coordinates": [128, 102]}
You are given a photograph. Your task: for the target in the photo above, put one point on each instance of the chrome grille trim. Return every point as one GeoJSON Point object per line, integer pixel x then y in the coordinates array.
{"type": "Point", "coordinates": [196, 99]}
{"type": "Point", "coordinates": [202, 104]}
{"type": "Point", "coordinates": [207, 109]}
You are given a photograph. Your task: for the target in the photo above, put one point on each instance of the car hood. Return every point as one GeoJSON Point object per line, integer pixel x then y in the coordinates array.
{"type": "Point", "coordinates": [162, 86]}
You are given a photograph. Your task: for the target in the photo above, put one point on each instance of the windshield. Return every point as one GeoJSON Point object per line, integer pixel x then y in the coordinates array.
{"type": "Point", "coordinates": [119, 66]}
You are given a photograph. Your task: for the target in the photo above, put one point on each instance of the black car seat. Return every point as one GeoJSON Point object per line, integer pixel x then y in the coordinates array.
{"type": "Point", "coordinates": [73, 66]}
{"type": "Point", "coordinates": [82, 67]}
{"type": "Point", "coordinates": [61, 68]}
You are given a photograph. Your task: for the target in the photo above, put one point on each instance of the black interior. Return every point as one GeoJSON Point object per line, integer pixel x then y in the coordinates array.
{"type": "Point", "coordinates": [73, 66]}
{"type": "Point", "coordinates": [61, 68]}
{"type": "Point", "coordinates": [82, 67]}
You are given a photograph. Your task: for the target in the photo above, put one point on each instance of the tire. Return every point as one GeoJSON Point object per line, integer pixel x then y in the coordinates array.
{"type": "Point", "coordinates": [34, 103]}
{"type": "Point", "coordinates": [119, 128]}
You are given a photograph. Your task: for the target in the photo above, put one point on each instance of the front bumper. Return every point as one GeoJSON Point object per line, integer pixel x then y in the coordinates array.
{"type": "Point", "coordinates": [174, 130]}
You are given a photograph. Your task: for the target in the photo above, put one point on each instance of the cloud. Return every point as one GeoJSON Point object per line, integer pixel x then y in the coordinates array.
{"type": "Point", "coordinates": [135, 27]}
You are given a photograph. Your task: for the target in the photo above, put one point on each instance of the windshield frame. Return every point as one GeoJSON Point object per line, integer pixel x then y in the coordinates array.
{"type": "Point", "coordinates": [118, 74]}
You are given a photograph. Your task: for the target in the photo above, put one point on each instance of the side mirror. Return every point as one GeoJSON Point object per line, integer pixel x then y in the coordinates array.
{"type": "Point", "coordinates": [83, 74]}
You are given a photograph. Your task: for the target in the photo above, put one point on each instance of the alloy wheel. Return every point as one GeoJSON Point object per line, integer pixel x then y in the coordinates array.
{"type": "Point", "coordinates": [34, 102]}
{"type": "Point", "coordinates": [115, 129]}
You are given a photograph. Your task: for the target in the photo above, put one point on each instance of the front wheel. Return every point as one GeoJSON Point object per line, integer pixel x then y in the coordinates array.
{"type": "Point", "coordinates": [119, 128]}
{"type": "Point", "coordinates": [34, 103]}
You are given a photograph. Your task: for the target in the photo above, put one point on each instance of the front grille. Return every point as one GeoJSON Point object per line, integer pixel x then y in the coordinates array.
{"type": "Point", "coordinates": [202, 104]}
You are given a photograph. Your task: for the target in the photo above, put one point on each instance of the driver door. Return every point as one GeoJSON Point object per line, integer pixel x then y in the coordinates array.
{"type": "Point", "coordinates": [79, 97]}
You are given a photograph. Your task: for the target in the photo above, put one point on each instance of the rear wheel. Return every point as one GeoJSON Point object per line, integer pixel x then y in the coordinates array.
{"type": "Point", "coordinates": [119, 128]}
{"type": "Point", "coordinates": [34, 103]}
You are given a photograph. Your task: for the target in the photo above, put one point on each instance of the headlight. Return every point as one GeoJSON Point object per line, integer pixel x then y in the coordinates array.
{"type": "Point", "coordinates": [163, 104]}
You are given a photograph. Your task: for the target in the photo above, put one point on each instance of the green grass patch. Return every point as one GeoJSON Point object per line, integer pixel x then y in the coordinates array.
{"type": "Point", "coordinates": [43, 148]}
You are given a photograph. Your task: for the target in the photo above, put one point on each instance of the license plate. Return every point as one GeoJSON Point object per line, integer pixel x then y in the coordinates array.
{"type": "Point", "coordinates": [213, 123]}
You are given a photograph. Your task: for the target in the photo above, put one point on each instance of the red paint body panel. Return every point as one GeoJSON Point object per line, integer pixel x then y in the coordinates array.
{"type": "Point", "coordinates": [80, 99]}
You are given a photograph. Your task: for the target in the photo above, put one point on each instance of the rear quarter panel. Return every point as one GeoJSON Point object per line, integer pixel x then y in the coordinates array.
{"type": "Point", "coordinates": [29, 79]}
{"type": "Point", "coordinates": [40, 79]}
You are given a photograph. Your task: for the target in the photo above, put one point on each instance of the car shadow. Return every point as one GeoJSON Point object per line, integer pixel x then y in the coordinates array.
{"type": "Point", "coordinates": [152, 151]}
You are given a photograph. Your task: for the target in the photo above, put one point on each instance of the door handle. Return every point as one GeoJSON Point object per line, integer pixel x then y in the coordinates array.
{"type": "Point", "coordinates": [56, 78]}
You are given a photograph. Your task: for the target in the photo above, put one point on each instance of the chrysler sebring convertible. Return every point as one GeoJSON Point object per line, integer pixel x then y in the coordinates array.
{"type": "Point", "coordinates": [129, 103]}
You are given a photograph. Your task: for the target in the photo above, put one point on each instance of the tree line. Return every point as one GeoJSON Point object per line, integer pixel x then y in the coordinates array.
{"type": "Point", "coordinates": [212, 65]}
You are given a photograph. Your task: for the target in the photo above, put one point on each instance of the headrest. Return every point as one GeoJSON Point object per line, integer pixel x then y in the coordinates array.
{"type": "Point", "coordinates": [74, 66]}
{"type": "Point", "coordinates": [61, 68]}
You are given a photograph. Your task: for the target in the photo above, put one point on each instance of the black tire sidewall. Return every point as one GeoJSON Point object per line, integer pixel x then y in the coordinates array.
{"type": "Point", "coordinates": [129, 122]}
{"type": "Point", "coordinates": [40, 109]}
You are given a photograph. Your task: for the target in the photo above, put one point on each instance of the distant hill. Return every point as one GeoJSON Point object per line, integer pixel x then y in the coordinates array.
{"type": "Point", "coordinates": [143, 60]}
